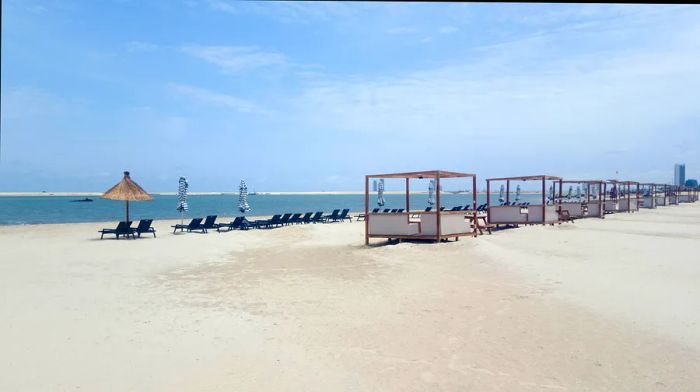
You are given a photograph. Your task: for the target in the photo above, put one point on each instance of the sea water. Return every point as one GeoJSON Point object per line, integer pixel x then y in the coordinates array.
{"type": "Point", "coordinates": [62, 209]}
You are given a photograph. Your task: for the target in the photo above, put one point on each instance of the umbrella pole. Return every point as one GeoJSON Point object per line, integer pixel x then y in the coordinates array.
{"type": "Point", "coordinates": [127, 210]}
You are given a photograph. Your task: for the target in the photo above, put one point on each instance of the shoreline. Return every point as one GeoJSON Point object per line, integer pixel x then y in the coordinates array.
{"type": "Point", "coordinates": [309, 193]}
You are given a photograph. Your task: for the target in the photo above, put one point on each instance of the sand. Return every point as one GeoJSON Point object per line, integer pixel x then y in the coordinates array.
{"type": "Point", "coordinates": [598, 305]}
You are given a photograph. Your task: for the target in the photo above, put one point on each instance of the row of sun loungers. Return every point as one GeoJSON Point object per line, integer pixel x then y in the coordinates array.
{"type": "Point", "coordinates": [124, 229]}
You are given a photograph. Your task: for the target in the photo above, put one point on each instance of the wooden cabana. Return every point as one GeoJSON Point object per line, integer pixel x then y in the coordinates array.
{"type": "Point", "coordinates": [674, 190]}
{"type": "Point", "coordinates": [611, 203]}
{"type": "Point", "coordinates": [648, 195]}
{"type": "Point", "coordinates": [628, 202]}
{"type": "Point", "coordinates": [592, 203]}
{"type": "Point", "coordinates": [662, 194]}
{"type": "Point", "coordinates": [687, 195]}
{"type": "Point", "coordinates": [508, 214]}
{"type": "Point", "coordinates": [434, 225]}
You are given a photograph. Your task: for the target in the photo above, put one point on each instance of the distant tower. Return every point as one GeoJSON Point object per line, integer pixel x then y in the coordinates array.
{"type": "Point", "coordinates": [679, 174]}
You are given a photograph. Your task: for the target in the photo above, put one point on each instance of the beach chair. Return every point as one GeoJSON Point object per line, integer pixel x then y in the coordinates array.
{"type": "Point", "coordinates": [345, 215]}
{"type": "Point", "coordinates": [307, 217]}
{"type": "Point", "coordinates": [386, 210]}
{"type": "Point", "coordinates": [145, 227]}
{"type": "Point", "coordinates": [394, 210]}
{"type": "Point", "coordinates": [400, 210]}
{"type": "Point", "coordinates": [284, 220]}
{"type": "Point", "coordinates": [195, 224]}
{"type": "Point", "coordinates": [340, 217]}
{"type": "Point", "coordinates": [235, 224]}
{"type": "Point", "coordinates": [209, 223]}
{"type": "Point", "coordinates": [362, 216]}
{"type": "Point", "coordinates": [333, 216]}
{"type": "Point", "coordinates": [318, 217]}
{"type": "Point", "coordinates": [458, 208]}
{"type": "Point", "coordinates": [296, 218]}
{"type": "Point", "coordinates": [123, 228]}
{"type": "Point", "coordinates": [442, 208]}
{"type": "Point", "coordinates": [269, 223]}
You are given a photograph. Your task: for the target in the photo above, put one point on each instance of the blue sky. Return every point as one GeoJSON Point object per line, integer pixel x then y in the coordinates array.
{"type": "Point", "coordinates": [313, 96]}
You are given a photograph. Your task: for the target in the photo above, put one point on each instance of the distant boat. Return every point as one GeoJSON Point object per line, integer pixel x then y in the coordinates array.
{"type": "Point", "coordinates": [81, 200]}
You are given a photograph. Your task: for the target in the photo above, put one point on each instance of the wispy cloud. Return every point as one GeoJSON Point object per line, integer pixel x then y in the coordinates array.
{"type": "Point", "coordinates": [140, 46]}
{"type": "Point", "coordinates": [236, 58]}
{"type": "Point", "coordinates": [221, 5]}
{"type": "Point", "coordinates": [401, 30]}
{"type": "Point", "coordinates": [209, 97]}
{"type": "Point", "coordinates": [448, 29]}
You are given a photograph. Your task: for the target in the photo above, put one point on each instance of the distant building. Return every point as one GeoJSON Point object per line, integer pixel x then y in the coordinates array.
{"type": "Point", "coordinates": [691, 183]}
{"type": "Point", "coordinates": [679, 174]}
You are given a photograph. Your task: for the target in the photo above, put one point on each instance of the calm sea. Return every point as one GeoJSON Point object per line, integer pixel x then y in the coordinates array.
{"type": "Point", "coordinates": [61, 209]}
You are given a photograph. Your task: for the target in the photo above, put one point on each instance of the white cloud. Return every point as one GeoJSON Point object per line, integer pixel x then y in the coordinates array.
{"type": "Point", "coordinates": [209, 97]}
{"type": "Point", "coordinates": [220, 5]}
{"type": "Point", "coordinates": [401, 30]}
{"type": "Point", "coordinates": [448, 30]}
{"type": "Point", "coordinates": [140, 46]}
{"type": "Point", "coordinates": [236, 58]}
{"type": "Point", "coordinates": [527, 96]}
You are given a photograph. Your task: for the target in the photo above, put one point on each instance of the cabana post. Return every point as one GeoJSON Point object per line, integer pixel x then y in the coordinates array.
{"type": "Point", "coordinates": [433, 225]}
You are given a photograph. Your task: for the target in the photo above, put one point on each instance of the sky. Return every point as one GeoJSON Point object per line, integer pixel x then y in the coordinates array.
{"type": "Point", "coordinates": [313, 96]}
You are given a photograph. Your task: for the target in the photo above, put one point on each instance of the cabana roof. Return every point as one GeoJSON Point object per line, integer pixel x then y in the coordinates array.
{"type": "Point", "coordinates": [526, 178]}
{"type": "Point", "coordinates": [624, 182]}
{"type": "Point", "coordinates": [423, 174]}
{"type": "Point", "coordinates": [583, 181]}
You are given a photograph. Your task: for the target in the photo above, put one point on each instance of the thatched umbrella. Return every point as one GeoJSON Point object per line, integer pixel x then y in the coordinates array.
{"type": "Point", "coordinates": [127, 190]}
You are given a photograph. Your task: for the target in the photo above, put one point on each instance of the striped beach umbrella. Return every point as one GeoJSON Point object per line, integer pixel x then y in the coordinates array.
{"type": "Point", "coordinates": [243, 197]}
{"type": "Point", "coordinates": [380, 193]}
{"type": "Point", "coordinates": [501, 198]}
{"type": "Point", "coordinates": [431, 192]}
{"type": "Point", "coordinates": [517, 193]}
{"type": "Point", "coordinates": [551, 193]}
{"type": "Point", "coordinates": [182, 197]}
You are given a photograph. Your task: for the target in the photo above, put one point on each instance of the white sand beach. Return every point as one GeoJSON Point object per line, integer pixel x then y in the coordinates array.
{"type": "Point", "coordinates": [597, 305]}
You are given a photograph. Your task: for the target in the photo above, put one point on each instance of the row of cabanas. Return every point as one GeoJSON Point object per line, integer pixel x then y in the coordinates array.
{"type": "Point", "coordinates": [599, 197]}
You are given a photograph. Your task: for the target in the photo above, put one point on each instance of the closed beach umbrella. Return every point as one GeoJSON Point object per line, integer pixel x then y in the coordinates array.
{"type": "Point", "coordinates": [431, 192]}
{"type": "Point", "coordinates": [127, 190]}
{"type": "Point", "coordinates": [243, 197]}
{"type": "Point", "coordinates": [578, 191]}
{"type": "Point", "coordinates": [569, 192]}
{"type": "Point", "coordinates": [380, 193]}
{"type": "Point", "coordinates": [517, 193]}
{"type": "Point", "coordinates": [182, 197]}
{"type": "Point", "coordinates": [551, 193]}
{"type": "Point", "coordinates": [501, 198]}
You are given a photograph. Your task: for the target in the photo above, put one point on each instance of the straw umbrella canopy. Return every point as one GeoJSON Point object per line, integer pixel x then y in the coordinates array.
{"type": "Point", "coordinates": [127, 190]}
